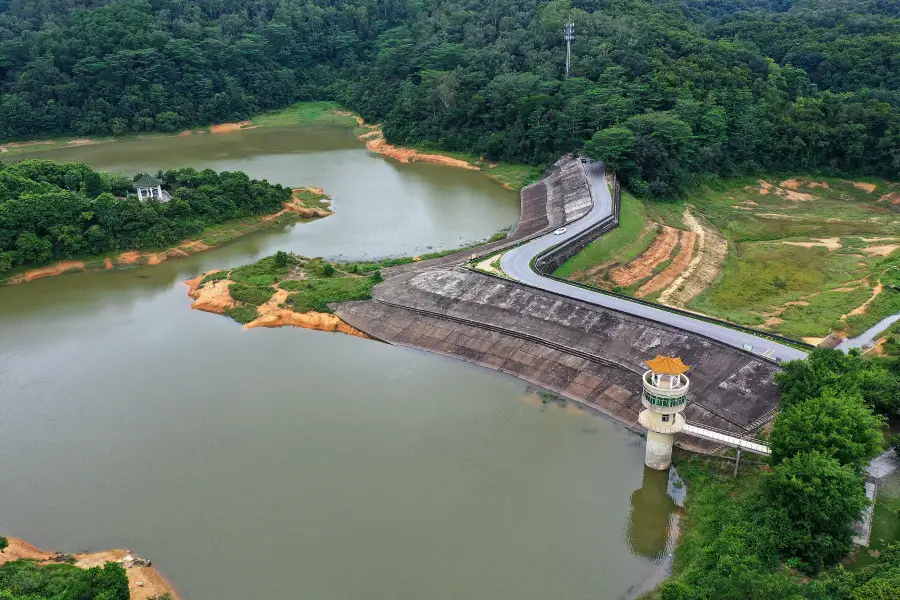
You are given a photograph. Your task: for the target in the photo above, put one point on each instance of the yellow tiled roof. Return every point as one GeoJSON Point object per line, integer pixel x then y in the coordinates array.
{"type": "Point", "coordinates": [667, 365]}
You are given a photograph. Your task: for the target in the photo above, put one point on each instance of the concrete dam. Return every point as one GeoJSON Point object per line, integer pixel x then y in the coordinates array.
{"type": "Point", "coordinates": [581, 351]}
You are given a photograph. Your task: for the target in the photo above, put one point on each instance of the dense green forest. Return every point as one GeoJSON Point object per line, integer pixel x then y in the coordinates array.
{"type": "Point", "coordinates": [666, 91]}
{"type": "Point", "coordinates": [51, 211]}
{"type": "Point", "coordinates": [25, 580]}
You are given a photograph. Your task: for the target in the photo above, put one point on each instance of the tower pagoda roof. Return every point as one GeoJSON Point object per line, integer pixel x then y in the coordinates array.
{"type": "Point", "coordinates": [667, 365]}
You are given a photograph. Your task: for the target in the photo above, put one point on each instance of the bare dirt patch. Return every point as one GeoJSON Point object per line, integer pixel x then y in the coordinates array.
{"type": "Point", "coordinates": [8, 146]}
{"type": "Point", "coordinates": [487, 265]}
{"type": "Point", "coordinates": [676, 268]}
{"type": "Point", "coordinates": [830, 243]}
{"type": "Point", "coordinates": [212, 296]}
{"type": "Point", "coordinates": [703, 268]}
{"type": "Point", "coordinates": [767, 188]}
{"type": "Point", "coordinates": [144, 582]}
{"type": "Point", "coordinates": [642, 266]}
{"type": "Point", "coordinates": [379, 145]}
{"type": "Point", "coordinates": [893, 198]}
{"type": "Point", "coordinates": [226, 127]}
{"type": "Point", "coordinates": [884, 250]}
{"type": "Point", "coordinates": [271, 314]}
{"type": "Point", "coordinates": [50, 271]}
{"type": "Point", "coordinates": [866, 187]}
{"type": "Point", "coordinates": [818, 184]}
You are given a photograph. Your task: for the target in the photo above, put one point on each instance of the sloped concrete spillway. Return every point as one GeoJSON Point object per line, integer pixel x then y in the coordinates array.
{"type": "Point", "coordinates": [590, 354]}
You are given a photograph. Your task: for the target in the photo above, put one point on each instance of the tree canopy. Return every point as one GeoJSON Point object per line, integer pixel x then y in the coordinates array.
{"type": "Point", "coordinates": [840, 425]}
{"type": "Point", "coordinates": [676, 90]}
{"type": "Point", "coordinates": [849, 372]}
{"type": "Point", "coordinates": [51, 211]}
{"type": "Point", "coordinates": [26, 580]}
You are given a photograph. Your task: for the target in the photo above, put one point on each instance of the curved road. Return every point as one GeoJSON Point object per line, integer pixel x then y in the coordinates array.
{"type": "Point", "coordinates": [516, 263]}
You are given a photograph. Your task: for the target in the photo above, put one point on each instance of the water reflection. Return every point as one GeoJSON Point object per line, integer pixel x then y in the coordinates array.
{"type": "Point", "coordinates": [651, 513]}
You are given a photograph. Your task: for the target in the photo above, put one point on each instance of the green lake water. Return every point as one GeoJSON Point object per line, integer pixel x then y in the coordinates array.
{"type": "Point", "coordinates": [297, 464]}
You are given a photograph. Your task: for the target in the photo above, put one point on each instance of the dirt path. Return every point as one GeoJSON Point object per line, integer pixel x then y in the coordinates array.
{"type": "Point", "coordinates": [676, 268]}
{"type": "Point", "coordinates": [861, 309]}
{"type": "Point", "coordinates": [144, 582]}
{"type": "Point", "coordinates": [703, 269]}
{"type": "Point", "coordinates": [642, 267]}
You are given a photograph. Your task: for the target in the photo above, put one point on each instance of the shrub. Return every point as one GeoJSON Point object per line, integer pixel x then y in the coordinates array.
{"type": "Point", "coordinates": [250, 294]}
{"type": "Point", "coordinates": [243, 313]}
{"type": "Point", "coordinates": [218, 275]}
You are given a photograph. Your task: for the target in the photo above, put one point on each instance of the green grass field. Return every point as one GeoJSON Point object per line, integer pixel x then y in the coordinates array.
{"type": "Point", "coordinates": [625, 240]}
{"type": "Point", "coordinates": [306, 113]}
{"type": "Point", "coordinates": [802, 252]}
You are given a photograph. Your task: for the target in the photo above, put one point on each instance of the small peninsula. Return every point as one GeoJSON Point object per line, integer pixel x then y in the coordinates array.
{"type": "Point", "coordinates": [62, 218]}
{"type": "Point", "coordinates": [113, 574]}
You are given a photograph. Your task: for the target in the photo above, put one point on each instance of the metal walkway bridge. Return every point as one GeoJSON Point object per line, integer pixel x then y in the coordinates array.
{"type": "Point", "coordinates": [726, 438]}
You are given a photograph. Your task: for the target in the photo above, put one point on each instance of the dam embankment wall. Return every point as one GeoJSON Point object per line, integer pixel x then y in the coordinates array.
{"type": "Point", "coordinates": [581, 351]}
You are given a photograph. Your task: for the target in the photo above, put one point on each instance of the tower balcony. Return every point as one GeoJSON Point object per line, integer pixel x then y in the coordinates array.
{"type": "Point", "coordinates": [665, 393]}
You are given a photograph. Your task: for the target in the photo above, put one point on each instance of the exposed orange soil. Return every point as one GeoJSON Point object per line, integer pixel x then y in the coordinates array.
{"type": "Point", "coordinates": [297, 208]}
{"type": "Point", "coordinates": [380, 146]}
{"type": "Point", "coordinates": [793, 184]}
{"type": "Point", "coordinates": [272, 315]}
{"type": "Point", "coordinates": [359, 120]}
{"type": "Point", "coordinates": [676, 268]}
{"type": "Point", "coordinates": [214, 297]}
{"type": "Point", "coordinates": [767, 188]}
{"type": "Point", "coordinates": [57, 269]}
{"type": "Point", "coordinates": [226, 127]}
{"type": "Point", "coordinates": [893, 198]}
{"type": "Point", "coordinates": [867, 187]}
{"type": "Point", "coordinates": [813, 341]}
{"type": "Point", "coordinates": [185, 133]}
{"type": "Point", "coordinates": [144, 583]}
{"type": "Point", "coordinates": [773, 321]}
{"type": "Point", "coordinates": [712, 249]}
{"type": "Point", "coordinates": [642, 267]}
{"type": "Point", "coordinates": [82, 142]}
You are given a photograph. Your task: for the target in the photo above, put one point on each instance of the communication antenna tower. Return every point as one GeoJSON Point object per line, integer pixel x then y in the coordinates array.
{"type": "Point", "coordinates": [570, 37]}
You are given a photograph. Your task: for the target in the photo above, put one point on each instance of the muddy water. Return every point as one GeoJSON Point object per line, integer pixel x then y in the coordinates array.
{"type": "Point", "coordinates": [298, 464]}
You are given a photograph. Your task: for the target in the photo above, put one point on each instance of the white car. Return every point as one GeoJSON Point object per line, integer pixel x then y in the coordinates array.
{"type": "Point", "coordinates": [560, 231]}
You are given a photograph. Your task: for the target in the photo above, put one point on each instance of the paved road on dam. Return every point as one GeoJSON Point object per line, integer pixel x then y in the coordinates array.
{"type": "Point", "coordinates": [516, 263]}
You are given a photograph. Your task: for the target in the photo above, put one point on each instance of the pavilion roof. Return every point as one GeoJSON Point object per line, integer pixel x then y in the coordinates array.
{"type": "Point", "coordinates": [667, 365]}
{"type": "Point", "coordinates": [146, 181]}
